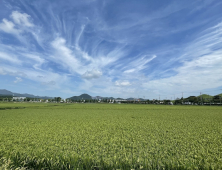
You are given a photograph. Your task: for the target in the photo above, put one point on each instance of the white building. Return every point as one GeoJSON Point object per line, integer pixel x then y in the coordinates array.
{"type": "Point", "coordinates": [19, 98]}
{"type": "Point", "coordinates": [120, 100]}
{"type": "Point", "coordinates": [189, 103]}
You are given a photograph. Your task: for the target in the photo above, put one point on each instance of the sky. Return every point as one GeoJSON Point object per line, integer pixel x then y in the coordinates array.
{"type": "Point", "coordinates": [118, 48]}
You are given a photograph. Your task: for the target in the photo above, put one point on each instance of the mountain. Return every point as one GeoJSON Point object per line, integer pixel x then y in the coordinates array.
{"type": "Point", "coordinates": [4, 92]}
{"type": "Point", "coordinates": [88, 97]}
{"type": "Point", "coordinates": [81, 97]}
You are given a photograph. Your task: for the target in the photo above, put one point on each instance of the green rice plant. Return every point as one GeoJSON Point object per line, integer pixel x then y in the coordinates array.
{"type": "Point", "coordinates": [109, 136]}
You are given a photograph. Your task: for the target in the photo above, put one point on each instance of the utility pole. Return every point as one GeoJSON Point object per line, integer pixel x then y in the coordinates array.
{"type": "Point", "coordinates": [220, 97]}
{"type": "Point", "coordinates": [220, 100]}
{"type": "Point", "coordinates": [201, 98]}
{"type": "Point", "coordinates": [210, 100]}
{"type": "Point", "coordinates": [182, 97]}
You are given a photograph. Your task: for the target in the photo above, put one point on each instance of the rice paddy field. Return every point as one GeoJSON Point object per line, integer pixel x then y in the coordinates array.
{"type": "Point", "coordinates": [109, 136]}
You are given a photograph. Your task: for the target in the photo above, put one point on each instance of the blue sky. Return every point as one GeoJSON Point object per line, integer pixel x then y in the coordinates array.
{"type": "Point", "coordinates": [119, 48]}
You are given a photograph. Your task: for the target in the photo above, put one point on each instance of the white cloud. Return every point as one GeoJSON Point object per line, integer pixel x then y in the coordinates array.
{"type": "Point", "coordinates": [34, 57]}
{"type": "Point", "coordinates": [49, 83]}
{"type": "Point", "coordinates": [64, 56]}
{"type": "Point", "coordinates": [92, 50]}
{"type": "Point", "coordinates": [196, 75]}
{"type": "Point", "coordinates": [122, 83]}
{"type": "Point", "coordinates": [92, 74]}
{"type": "Point", "coordinates": [18, 79]}
{"type": "Point", "coordinates": [19, 25]}
{"type": "Point", "coordinates": [8, 27]}
{"type": "Point", "coordinates": [37, 59]}
{"type": "Point", "coordinates": [130, 71]}
{"type": "Point", "coordinates": [138, 64]}
{"type": "Point", "coordinates": [21, 19]}
{"type": "Point", "coordinates": [10, 58]}
{"type": "Point", "coordinates": [79, 61]}
{"type": "Point", "coordinates": [201, 66]}
{"type": "Point", "coordinates": [2, 71]}
{"type": "Point", "coordinates": [42, 77]}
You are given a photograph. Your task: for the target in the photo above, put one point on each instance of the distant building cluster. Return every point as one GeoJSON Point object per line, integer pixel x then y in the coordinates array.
{"type": "Point", "coordinates": [19, 98]}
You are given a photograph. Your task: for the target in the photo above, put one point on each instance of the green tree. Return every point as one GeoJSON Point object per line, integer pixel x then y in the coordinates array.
{"type": "Point", "coordinates": [58, 99]}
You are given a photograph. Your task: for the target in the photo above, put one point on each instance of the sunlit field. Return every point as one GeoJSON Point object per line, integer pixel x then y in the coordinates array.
{"type": "Point", "coordinates": [110, 136]}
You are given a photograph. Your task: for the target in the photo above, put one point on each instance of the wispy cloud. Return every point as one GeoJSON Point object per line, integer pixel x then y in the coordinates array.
{"type": "Point", "coordinates": [146, 49]}
{"type": "Point", "coordinates": [64, 55]}
{"type": "Point", "coordinates": [18, 79]}
{"type": "Point", "coordinates": [122, 83]}
{"type": "Point", "coordinates": [201, 66]}
{"type": "Point", "coordinates": [9, 58]}
{"type": "Point", "coordinates": [92, 74]}
{"type": "Point", "coordinates": [36, 60]}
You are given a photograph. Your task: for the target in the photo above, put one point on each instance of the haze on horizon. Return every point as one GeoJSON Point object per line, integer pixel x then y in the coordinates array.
{"type": "Point", "coordinates": [111, 48]}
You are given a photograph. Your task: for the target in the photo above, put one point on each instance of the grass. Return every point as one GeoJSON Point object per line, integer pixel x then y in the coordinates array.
{"type": "Point", "coordinates": [109, 136]}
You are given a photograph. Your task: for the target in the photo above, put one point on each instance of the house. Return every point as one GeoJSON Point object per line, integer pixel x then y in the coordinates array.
{"type": "Point", "coordinates": [188, 103]}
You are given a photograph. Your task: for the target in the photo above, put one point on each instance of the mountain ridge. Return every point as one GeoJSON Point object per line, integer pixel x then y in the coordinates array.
{"type": "Point", "coordinates": [81, 97]}
{"type": "Point", "coordinates": [84, 96]}
{"type": "Point", "coordinates": [4, 92]}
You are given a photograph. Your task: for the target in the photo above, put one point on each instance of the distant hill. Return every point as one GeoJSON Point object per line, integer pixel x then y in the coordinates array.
{"type": "Point", "coordinates": [119, 98]}
{"type": "Point", "coordinates": [81, 97]}
{"type": "Point", "coordinates": [88, 97]}
{"type": "Point", "coordinates": [4, 92]}
{"type": "Point", "coordinates": [205, 96]}
{"type": "Point", "coordinates": [103, 98]}
{"type": "Point", "coordinates": [130, 99]}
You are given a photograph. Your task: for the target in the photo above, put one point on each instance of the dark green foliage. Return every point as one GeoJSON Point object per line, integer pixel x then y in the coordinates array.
{"type": "Point", "coordinates": [81, 97]}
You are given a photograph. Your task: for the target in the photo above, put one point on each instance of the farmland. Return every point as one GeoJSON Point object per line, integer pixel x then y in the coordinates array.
{"type": "Point", "coordinates": [110, 136]}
